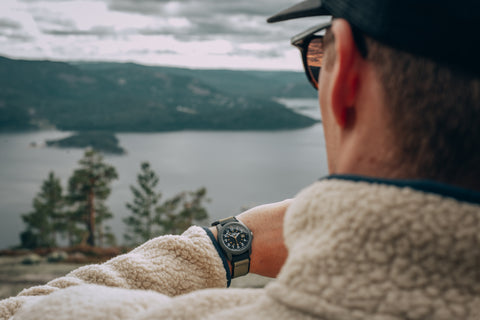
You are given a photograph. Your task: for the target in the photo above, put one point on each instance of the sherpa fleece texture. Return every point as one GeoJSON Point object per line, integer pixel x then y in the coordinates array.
{"type": "Point", "coordinates": [357, 250]}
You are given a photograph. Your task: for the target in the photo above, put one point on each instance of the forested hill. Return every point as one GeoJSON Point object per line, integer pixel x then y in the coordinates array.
{"type": "Point", "coordinates": [129, 97]}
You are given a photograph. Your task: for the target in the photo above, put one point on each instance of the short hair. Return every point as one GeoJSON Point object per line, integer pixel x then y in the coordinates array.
{"type": "Point", "coordinates": [434, 113]}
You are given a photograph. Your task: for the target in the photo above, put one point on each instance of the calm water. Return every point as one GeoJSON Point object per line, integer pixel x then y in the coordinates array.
{"type": "Point", "coordinates": [239, 169]}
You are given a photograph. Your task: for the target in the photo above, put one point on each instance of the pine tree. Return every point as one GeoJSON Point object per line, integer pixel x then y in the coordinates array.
{"type": "Point", "coordinates": [45, 221]}
{"type": "Point", "coordinates": [89, 187]}
{"type": "Point", "coordinates": [167, 214]}
{"type": "Point", "coordinates": [149, 218]}
{"type": "Point", "coordinates": [142, 223]}
{"type": "Point", "coordinates": [183, 210]}
{"type": "Point", "coordinates": [104, 233]}
{"type": "Point", "coordinates": [73, 230]}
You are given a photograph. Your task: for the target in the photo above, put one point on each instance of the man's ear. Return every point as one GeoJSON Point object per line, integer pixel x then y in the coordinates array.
{"type": "Point", "coordinates": [345, 75]}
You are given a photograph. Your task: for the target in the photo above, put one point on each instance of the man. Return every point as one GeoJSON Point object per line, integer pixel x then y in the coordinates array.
{"type": "Point", "coordinates": [392, 233]}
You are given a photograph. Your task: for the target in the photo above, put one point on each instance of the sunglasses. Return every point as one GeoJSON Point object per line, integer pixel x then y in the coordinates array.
{"type": "Point", "coordinates": [311, 47]}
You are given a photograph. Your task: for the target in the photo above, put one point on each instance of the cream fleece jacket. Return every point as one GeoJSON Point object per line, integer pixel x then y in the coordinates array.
{"type": "Point", "coordinates": [357, 250]}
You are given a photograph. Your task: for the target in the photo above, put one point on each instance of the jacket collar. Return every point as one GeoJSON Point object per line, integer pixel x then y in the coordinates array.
{"type": "Point", "coordinates": [380, 250]}
{"type": "Point", "coordinates": [428, 186]}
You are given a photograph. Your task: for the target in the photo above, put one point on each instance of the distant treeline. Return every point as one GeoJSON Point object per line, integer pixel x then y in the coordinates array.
{"type": "Point", "coordinates": [133, 98]}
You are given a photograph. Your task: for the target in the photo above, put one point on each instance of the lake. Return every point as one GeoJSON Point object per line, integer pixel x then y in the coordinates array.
{"type": "Point", "coordinates": [239, 168]}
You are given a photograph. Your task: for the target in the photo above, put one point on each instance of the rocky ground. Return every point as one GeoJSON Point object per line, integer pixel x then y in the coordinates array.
{"type": "Point", "coordinates": [15, 276]}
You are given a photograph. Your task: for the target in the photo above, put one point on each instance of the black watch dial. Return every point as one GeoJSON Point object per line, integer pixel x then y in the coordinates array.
{"type": "Point", "coordinates": [235, 236]}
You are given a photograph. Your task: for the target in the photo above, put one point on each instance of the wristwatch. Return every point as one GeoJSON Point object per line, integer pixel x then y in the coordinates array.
{"type": "Point", "coordinates": [235, 239]}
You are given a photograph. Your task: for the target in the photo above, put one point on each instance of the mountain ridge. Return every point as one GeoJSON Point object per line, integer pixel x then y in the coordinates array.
{"type": "Point", "coordinates": [135, 98]}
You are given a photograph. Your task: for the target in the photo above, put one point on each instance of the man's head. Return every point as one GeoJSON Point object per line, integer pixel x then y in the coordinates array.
{"type": "Point", "coordinates": [400, 87]}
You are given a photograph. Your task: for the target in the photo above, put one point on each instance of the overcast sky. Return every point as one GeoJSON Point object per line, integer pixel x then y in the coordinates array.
{"type": "Point", "coordinates": [189, 33]}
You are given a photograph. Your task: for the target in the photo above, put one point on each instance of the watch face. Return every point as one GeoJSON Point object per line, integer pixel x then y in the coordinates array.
{"type": "Point", "coordinates": [236, 237]}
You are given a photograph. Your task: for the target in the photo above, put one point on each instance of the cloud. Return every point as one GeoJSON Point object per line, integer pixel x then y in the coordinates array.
{"type": "Point", "coordinates": [146, 7]}
{"type": "Point", "coordinates": [50, 19]}
{"type": "Point", "coordinates": [237, 28]}
{"type": "Point", "coordinates": [15, 25]}
{"type": "Point", "coordinates": [239, 20]}
{"type": "Point", "coordinates": [6, 23]}
{"type": "Point", "coordinates": [190, 32]}
{"type": "Point", "coordinates": [13, 31]}
{"type": "Point", "coordinates": [15, 37]}
{"type": "Point", "coordinates": [200, 7]}
{"type": "Point", "coordinates": [99, 32]}
{"type": "Point", "coordinates": [40, 1]}
{"type": "Point", "coordinates": [263, 54]}
{"type": "Point", "coordinates": [203, 29]}
{"type": "Point", "coordinates": [236, 20]}
{"type": "Point", "coordinates": [166, 51]}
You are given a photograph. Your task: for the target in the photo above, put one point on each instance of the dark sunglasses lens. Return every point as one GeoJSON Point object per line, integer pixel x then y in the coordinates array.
{"type": "Point", "coordinates": [314, 58]}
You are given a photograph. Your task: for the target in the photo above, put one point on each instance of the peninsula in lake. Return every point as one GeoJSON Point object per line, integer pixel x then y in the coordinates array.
{"type": "Point", "coordinates": [116, 97]}
{"type": "Point", "coordinates": [101, 141]}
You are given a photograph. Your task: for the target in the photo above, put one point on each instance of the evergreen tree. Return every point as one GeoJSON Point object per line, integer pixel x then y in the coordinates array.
{"type": "Point", "coordinates": [167, 214]}
{"type": "Point", "coordinates": [45, 221]}
{"type": "Point", "coordinates": [142, 223]}
{"type": "Point", "coordinates": [183, 210]}
{"type": "Point", "coordinates": [73, 231]}
{"type": "Point", "coordinates": [104, 233]}
{"type": "Point", "coordinates": [89, 187]}
{"type": "Point", "coordinates": [149, 218]}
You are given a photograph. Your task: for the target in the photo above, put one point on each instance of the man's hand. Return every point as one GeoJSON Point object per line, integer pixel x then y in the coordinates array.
{"type": "Point", "coordinates": [268, 248]}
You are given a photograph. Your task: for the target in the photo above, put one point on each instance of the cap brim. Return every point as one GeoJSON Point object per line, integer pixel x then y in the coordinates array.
{"type": "Point", "coordinates": [308, 8]}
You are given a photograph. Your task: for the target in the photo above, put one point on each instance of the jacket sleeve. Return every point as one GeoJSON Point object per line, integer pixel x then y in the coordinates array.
{"type": "Point", "coordinates": [171, 265]}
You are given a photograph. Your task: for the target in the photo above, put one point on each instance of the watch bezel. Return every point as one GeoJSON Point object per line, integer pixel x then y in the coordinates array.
{"type": "Point", "coordinates": [228, 250]}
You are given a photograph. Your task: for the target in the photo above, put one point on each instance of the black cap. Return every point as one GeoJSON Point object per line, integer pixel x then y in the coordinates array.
{"type": "Point", "coordinates": [444, 30]}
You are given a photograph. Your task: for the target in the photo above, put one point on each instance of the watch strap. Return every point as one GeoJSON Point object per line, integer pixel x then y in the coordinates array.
{"type": "Point", "coordinates": [224, 221]}
{"type": "Point", "coordinates": [240, 264]}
